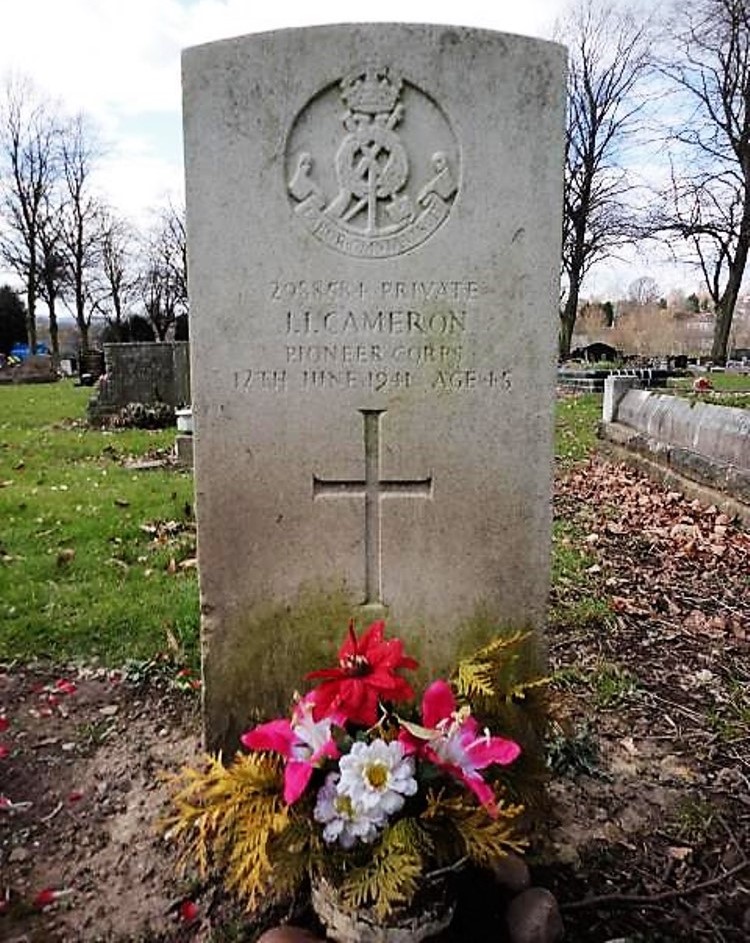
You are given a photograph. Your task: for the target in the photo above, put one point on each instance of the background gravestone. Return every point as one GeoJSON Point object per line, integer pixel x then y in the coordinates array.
{"type": "Point", "coordinates": [146, 372]}
{"type": "Point", "coordinates": [374, 237]}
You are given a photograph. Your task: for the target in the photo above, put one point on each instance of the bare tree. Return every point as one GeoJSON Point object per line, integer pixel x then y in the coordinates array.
{"type": "Point", "coordinates": [117, 276]}
{"type": "Point", "coordinates": [52, 273]}
{"type": "Point", "coordinates": [29, 150]}
{"type": "Point", "coordinates": [643, 291]}
{"type": "Point", "coordinates": [82, 223]}
{"type": "Point", "coordinates": [164, 277]}
{"type": "Point", "coordinates": [710, 194]}
{"type": "Point", "coordinates": [609, 61]}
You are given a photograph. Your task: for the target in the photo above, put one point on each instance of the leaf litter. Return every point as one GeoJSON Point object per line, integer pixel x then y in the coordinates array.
{"type": "Point", "coordinates": [659, 832]}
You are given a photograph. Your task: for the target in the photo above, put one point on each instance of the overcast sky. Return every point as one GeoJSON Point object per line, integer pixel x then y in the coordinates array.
{"type": "Point", "coordinates": [119, 62]}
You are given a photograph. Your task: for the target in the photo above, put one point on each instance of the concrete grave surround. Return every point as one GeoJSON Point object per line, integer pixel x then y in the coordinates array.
{"type": "Point", "coordinates": [374, 236]}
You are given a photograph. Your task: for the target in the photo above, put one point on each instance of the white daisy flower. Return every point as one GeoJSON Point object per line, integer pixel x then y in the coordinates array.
{"type": "Point", "coordinates": [345, 821]}
{"type": "Point", "coordinates": [377, 776]}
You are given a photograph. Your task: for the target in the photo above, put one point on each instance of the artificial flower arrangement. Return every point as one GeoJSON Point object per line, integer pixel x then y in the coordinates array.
{"type": "Point", "coordinates": [353, 790]}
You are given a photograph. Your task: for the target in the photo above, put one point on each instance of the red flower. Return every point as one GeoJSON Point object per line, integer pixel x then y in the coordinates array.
{"type": "Point", "coordinates": [49, 896]}
{"type": "Point", "coordinates": [64, 686]}
{"type": "Point", "coordinates": [366, 674]}
{"type": "Point", "coordinates": [188, 911]}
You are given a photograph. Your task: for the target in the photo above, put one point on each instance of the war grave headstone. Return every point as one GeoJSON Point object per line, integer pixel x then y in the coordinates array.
{"type": "Point", "coordinates": [374, 235]}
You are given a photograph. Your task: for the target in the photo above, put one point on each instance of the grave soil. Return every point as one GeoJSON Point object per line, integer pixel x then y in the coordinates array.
{"type": "Point", "coordinates": [647, 837]}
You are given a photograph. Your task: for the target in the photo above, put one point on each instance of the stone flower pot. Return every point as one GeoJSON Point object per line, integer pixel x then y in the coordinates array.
{"type": "Point", "coordinates": [431, 912]}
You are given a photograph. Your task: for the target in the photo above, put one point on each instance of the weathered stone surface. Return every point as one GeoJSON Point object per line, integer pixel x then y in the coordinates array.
{"type": "Point", "coordinates": [511, 873]}
{"type": "Point", "coordinates": [703, 442]}
{"type": "Point", "coordinates": [534, 917]}
{"type": "Point", "coordinates": [373, 222]}
{"type": "Point", "coordinates": [614, 390]}
{"type": "Point", "coordinates": [148, 372]}
{"type": "Point", "coordinates": [720, 432]}
{"type": "Point", "coordinates": [36, 369]}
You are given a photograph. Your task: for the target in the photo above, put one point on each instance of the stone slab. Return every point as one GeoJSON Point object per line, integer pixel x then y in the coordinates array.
{"type": "Point", "coordinates": [374, 236]}
{"type": "Point", "coordinates": [145, 372]}
{"type": "Point", "coordinates": [721, 433]}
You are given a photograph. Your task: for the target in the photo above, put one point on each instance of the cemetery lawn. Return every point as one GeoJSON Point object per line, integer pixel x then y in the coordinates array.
{"type": "Point", "coordinates": [97, 559]}
{"type": "Point", "coordinates": [647, 835]}
{"type": "Point", "coordinates": [729, 389]}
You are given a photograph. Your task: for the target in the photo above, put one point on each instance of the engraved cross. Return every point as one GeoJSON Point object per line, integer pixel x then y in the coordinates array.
{"type": "Point", "coordinates": [373, 489]}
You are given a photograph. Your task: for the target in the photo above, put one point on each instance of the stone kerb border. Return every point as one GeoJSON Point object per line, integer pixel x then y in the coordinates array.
{"type": "Point", "coordinates": [701, 444]}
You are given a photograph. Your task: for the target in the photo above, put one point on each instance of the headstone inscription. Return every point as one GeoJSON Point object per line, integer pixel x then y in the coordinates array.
{"type": "Point", "coordinates": [374, 234]}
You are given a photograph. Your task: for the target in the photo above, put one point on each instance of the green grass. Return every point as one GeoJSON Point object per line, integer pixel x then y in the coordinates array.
{"type": "Point", "coordinates": [82, 575]}
{"type": "Point", "coordinates": [729, 389]}
{"type": "Point", "coordinates": [730, 382]}
{"type": "Point", "coordinates": [86, 568]}
{"type": "Point", "coordinates": [576, 423]}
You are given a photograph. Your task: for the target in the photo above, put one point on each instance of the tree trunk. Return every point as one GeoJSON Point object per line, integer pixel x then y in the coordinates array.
{"type": "Point", "coordinates": [722, 326]}
{"type": "Point", "coordinates": [568, 322]}
{"type": "Point", "coordinates": [54, 338]}
{"type": "Point", "coordinates": [31, 314]}
{"type": "Point", "coordinates": [83, 333]}
{"type": "Point", "coordinates": [727, 303]}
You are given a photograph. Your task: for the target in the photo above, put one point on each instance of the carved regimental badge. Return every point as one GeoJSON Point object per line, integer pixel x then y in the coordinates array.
{"type": "Point", "coordinates": [372, 164]}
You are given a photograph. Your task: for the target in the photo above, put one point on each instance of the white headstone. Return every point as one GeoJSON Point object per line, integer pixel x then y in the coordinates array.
{"type": "Point", "coordinates": [374, 237]}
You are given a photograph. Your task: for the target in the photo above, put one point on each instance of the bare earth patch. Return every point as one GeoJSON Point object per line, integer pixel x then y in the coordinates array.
{"type": "Point", "coordinates": [648, 835]}
{"type": "Point", "coordinates": [83, 780]}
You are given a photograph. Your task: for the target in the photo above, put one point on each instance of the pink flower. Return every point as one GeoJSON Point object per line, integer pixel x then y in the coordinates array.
{"type": "Point", "coordinates": [452, 740]}
{"type": "Point", "coordinates": [305, 742]}
{"type": "Point", "coordinates": [366, 673]}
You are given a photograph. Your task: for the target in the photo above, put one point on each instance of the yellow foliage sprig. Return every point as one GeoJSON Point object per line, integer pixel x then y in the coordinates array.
{"type": "Point", "coordinates": [483, 838]}
{"type": "Point", "coordinates": [234, 818]}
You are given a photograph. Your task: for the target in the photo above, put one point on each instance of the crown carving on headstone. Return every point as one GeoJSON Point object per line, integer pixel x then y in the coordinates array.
{"type": "Point", "coordinates": [372, 90]}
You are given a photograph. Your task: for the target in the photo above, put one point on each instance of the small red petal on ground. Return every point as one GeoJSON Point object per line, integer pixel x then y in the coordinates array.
{"type": "Point", "coordinates": [188, 911]}
{"type": "Point", "coordinates": [4, 751]}
{"type": "Point", "coordinates": [65, 686]}
{"type": "Point", "coordinates": [75, 796]}
{"type": "Point", "coordinates": [195, 683]}
{"type": "Point", "coordinates": [45, 898]}
{"type": "Point", "coordinates": [4, 723]}
{"type": "Point", "coordinates": [49, 896]}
